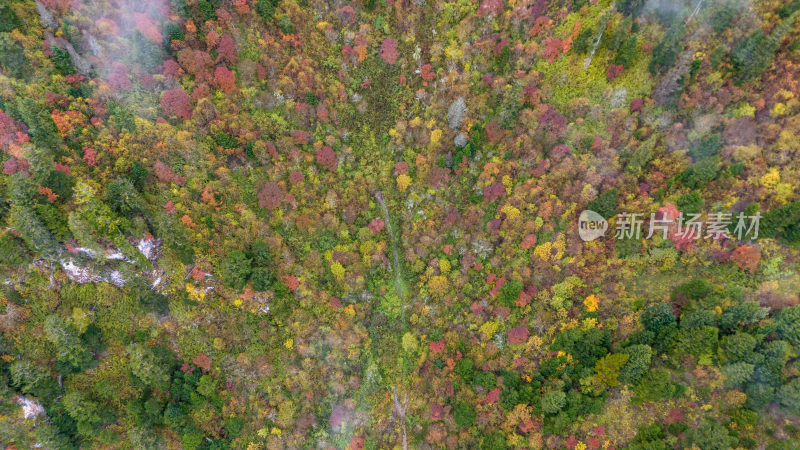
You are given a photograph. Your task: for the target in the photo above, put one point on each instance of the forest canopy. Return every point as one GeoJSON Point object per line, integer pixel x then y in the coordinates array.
{"type": "Point", "coordinates": [281, 224]}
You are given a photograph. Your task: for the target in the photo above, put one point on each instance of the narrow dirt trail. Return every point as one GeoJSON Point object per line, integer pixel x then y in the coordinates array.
{"type": "Point", "coordinates": [398, 280]}
{"type": "Point", "coordinates": [399, 408]}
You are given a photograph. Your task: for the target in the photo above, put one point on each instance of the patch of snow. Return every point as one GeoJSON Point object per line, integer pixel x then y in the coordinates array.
{"type": "Point", "coordinates": [116, 278]}
{"type": "Point", "coordinates": [87, 251]}
{"type": "Point", "coordinates": [499, 340]}
{"type": "Point", "coordinates": [482, 248]}
{"type": "Point", "coordinates": [77, 273]}
{"type": "Point", "coordinates": [148, 247]}
{"type": "Point", "coordinates": [456, 113]}
{"type": "Point", "coordinates": [30, 408]}
{"type": "Point", "coordinates": [619, 97]}
{"type": "Point", "coordinates": [116, 255]}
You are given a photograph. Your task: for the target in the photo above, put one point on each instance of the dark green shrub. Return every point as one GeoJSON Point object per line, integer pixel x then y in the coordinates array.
{"type": "Point", "coordinates": [677, 428]}
{"type": "Point", "coordinates": [653, 432]}
{"type": "Point", "coordinates": [486, 379]}
{"type": "Point", "coordinates": [605, 204]}
{"type": "Point", "coordinates": [737, 347]}
{"type": "Point", "coordinates": [700, 342]}
{"type": "Point", "coordinates": [626, 54]}
{"type": "Point", "coordinates": [745, 313]}
{"type": "Point", "coordinates": [145, 52]}
{"type": "Point", "coordinates": [123, 198]}
{"type": "Point", "coordinates": [12, 57]}
{"type": "Point", "coordinates": [701, 172]}
{"type": "Point", "coordinates": [737, 373]}
{"type": "Point", "coordinates": [260, 254]}
{"type": "Point", "coordinates": [61, 184]}
{"type": "Point", "coordinates": [748, 442]}
{"type": "Point", "coordinates": [657, 316]}
{"type": "Point", "coordinates": [509, 292]}
{"type": "Point", "coordinates": [722, 17]}
{"type": "Point", "coordinates": [654, 385]}
{"type": "Point", "coordinates": [788, 396]}
{"type": "Point", "coordinates": [311, 98]}
{"type": "Point", "coordinates": [30, 227]}
{"type": "Point", "coordinates": [759, 395]}
{"type": "Point", "coordinates": [233, 427]}
{"type": "Point", "coordinates": [638, 363]}
{"type": "Point", "coordinates": [465, 368]}
{"type": "Point", "coordinates": [262, 278]}
{"type": "Point", "coordinates": [172, 32]}
{"type": "Point", "coordinates": [509, 398]}
{"type": "Point", "coordinates": [711, 435]}
{"type": "Point", "coordinates": [691, 203]}
{"type": "Point", "coordinates": [494, 441]}
{"type": "Point", "coordinates": [585, 346]}
{"type": "Point", "coordinates": [666, 52]}
{"type": "Point", "coordinates": [463, 414]}
{"type": "Point", "coordinates": [235, 269]}
{"type": "Point", "coordinates": [137, 174]}
{"type": "Point", "coordinates": [629, 7]}
{"type": "Point", "coordinates": [62, 61]}
{"type": "Point", "coordinates": [782, 222]}
{"type": "Point", "coordinates": [266, 8]}
{"type": "Point", "coordinates": [285, 24]}
{"type": "Point", "coordinates": [8, 18]}
{"type": "Point", "coordinates": [697, 319]}
{"type": "Point", "coordinates": [554, 401]}
{"type": "Point", "coordinates": [787, 323]}
{"type": "Point", "coordinates": [583, 43]}
{"type": "Point", "coordinates": [692, 290]}
{"type": "Point", "coordinates": [549, 367]}
{"type": "Point", "coordinates": [12, 250]}
{"type": "Point", "coordinates": [225, 140]}
{"type": "Point", "coordinates": [707, 146]}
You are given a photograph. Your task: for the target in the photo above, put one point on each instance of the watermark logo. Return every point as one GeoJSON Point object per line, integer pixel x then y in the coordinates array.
{"type": "Point", "coordinates": [591, 225]}
{"type": "Point", "coordinates": [690, 227]}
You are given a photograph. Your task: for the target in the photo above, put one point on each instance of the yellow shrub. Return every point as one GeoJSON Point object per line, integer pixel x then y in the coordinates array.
{"type": "Point", "coordinates": [435, 136]}
{"type": "Point", "coordinates": [403, 181]}
{"type": "Point", "coordinates": [438, 286]}
{"type": "Point", "coordinates": [771, 178]}
{"type": "Point", "coordinates": [488, 329]}
{"type": "Point", "coordinates": [510, 212]}
{"type": "Point", "coordinates": [590, 303]}
{"type": "Point", "coordinates": [337, 270]}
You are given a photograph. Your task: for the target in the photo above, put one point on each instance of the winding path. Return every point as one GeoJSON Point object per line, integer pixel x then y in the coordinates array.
{"type": "Point", "coordinates": [398, 285]}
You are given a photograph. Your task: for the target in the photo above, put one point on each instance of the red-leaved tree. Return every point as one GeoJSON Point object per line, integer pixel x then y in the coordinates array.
{"type": "Point", "coordinates": [225, 79]}
{"type": "Point", "coordinates": [389, 51]}
{"type": "Point", "coordinates": [176, 102]}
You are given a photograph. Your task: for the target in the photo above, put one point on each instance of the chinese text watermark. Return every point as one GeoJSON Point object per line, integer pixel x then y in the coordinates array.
{"type": "Point", "coordinates": [716, 226]}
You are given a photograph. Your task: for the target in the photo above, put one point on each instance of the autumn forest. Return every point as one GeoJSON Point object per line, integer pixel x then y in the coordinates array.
{"type": "Point", "coordinates": [307, 224]}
